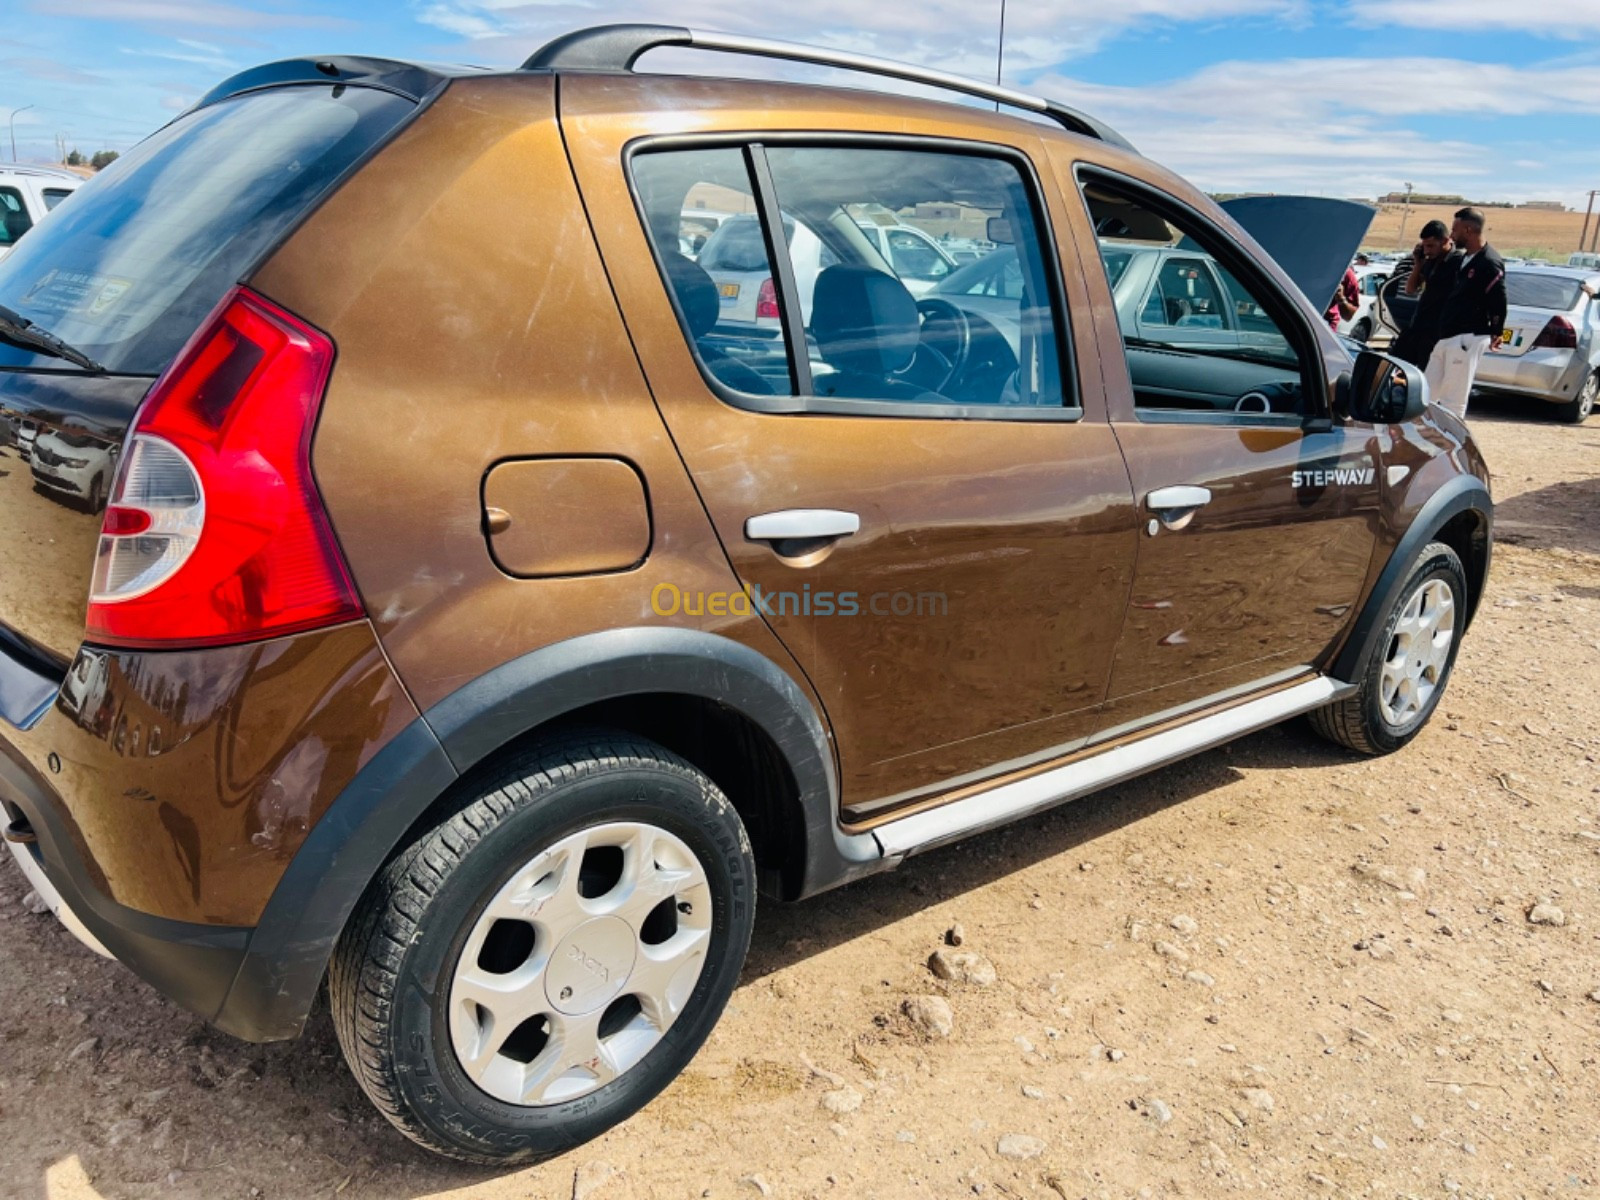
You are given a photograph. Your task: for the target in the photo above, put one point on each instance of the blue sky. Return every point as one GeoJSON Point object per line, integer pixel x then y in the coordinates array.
{"type": "Point", "coordinates": [1495, 99]}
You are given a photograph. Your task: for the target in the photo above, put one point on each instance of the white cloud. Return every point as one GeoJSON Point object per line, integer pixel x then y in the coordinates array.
{"type": "Point", "coordinates": [190, 13]}
{"type": "Point", "coordinates": [1540, 18]}
{"type": "Point", "coordinates": [1278, 126]}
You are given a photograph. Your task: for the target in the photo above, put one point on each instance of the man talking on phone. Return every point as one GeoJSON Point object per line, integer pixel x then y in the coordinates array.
{"type": "Point", "coordinates": [1473, 316]}
{"type": "Point", "coordinates": [1433, 273]}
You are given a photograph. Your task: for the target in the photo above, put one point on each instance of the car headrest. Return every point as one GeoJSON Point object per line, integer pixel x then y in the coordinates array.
{"type": "Point", "coordinates": [16, 223]}
{"type": "Point", "coordinates": [864, 320]}
{"type": "Point", "coordinates": [696, 291]}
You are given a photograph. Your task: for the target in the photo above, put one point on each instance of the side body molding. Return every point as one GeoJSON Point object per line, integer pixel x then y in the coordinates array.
{"type": "Point", "coordinates": [1455, 496]}
{"type": "Point", "coordinates": [291, 945]}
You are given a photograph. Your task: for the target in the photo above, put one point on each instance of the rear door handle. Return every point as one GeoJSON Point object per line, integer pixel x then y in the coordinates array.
{"type": "Point", "coordinates": [1174, 507]}
{"type": "Point", "coordinates": [802, 524]}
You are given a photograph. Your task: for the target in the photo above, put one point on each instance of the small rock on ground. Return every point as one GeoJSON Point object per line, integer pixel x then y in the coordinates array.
{"type": "Point", "coordinates": [964, 967]}
{"type": "Point", "coordinates": [931, 1015]}
{"type": "Point", "coordinates": [1019, 1147]}
{"type": "Point", "coordinates": [1546, 914]}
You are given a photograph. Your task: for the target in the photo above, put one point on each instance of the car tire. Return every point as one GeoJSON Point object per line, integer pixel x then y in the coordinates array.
{"type": "Point", "coordinates": [606, 838]}
{"type": "Point", "coordinates": [1577, 410]}
{"type": "Point", "coordinates": [1404, 680]}
{"type": "Point", "coordinates": [97, 494]}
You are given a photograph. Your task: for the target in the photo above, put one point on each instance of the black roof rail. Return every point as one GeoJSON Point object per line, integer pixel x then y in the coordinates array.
{"type": "Point", "coordinates": [615, 48]}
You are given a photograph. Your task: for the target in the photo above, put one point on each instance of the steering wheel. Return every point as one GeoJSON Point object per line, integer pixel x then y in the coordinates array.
{"type": "Point", "coordinates": [946, 332]}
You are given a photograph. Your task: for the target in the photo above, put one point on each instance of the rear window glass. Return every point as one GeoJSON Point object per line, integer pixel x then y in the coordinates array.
{"type": "Point", "coordinates": [1542, 291]}
{"type": "Point", "coordinates": [130, 268]}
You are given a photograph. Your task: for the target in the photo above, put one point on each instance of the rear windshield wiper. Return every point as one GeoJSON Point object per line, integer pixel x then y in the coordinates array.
{"type": "Point", "coordinates": [18, 330]}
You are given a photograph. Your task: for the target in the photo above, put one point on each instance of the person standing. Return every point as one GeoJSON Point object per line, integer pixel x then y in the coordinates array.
{"type": "Point", "coordinates": [1433, 270]}
{"type": "Point", "coordinates": [1346, 301]}
{"type": "Point", "coordinates": [1473, 315]}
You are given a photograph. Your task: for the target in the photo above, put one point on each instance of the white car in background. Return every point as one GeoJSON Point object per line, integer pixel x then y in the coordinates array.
{"type": "Point", "coordinates": [916, 257]}
{"type": "Point", "coordinates": [1369, 280]}
{"type": "Point", "coordinates": [74, 463]}
{"type": "Point", "coordinates": [735, 257]}
{"type": "Point", "coordinates": [26, 195]}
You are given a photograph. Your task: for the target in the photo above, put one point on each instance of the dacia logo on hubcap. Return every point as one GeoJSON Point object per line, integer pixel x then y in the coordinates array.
{"type": "Point", "coordinates": [593, 965]}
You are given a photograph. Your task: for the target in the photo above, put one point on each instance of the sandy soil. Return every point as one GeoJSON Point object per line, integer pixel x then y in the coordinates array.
{"type": "Point", "coordinates": [1275, 969]}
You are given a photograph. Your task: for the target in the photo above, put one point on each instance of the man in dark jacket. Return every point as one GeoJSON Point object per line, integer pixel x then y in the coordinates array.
{"type": "Point", "coordinates": [1473, 317]}
{"type": "Point", "coordinates": [1433, 272]}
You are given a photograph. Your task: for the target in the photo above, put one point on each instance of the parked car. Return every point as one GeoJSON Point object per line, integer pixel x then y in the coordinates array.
{"type": "Point", "coordinates": [27, 431]}
{"type": "Point", "coordinates": [735, 256]}
{"type": "Point", "coordinates": [1369, 280]}
{"type": "Point", "coordinates": [484, 656]}
{"type": "Point", "coordinates": [917, 258]}
{"type": "Point", "coordinates": [74, 463]}
{"type": "Point", "coordinates": [26, 195]}
{"type": "Point", "coordinates": [1550, 349]}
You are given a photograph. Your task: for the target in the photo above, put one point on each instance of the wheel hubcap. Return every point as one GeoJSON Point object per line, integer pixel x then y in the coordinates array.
{"type": "Point", "coordinates": [1419, 651]}
{"type": "Point", "coordinates": [580, 964]}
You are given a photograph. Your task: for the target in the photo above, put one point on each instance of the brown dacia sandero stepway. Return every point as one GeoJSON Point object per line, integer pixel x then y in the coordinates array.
{"type": "Point", "coordinates": [482, 527]}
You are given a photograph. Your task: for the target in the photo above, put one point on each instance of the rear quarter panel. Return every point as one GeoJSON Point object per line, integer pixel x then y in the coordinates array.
{"type": "Point", "coordinates": [475, 323]}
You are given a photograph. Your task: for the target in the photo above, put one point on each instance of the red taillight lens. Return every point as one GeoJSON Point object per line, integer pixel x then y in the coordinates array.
{"type": "Point", "coordinates": [215, 532]}
{"type": "Point", "coordinates": [1558, 334]}
{"type": "Point", "coordinates": [767, 300]}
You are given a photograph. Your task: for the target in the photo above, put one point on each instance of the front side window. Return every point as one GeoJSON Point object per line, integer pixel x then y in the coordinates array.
{"type": "Point", "coordinates": [1198, 339]}
{"type": "Point", "coordinates": [14, 219]}
{"type": "Point", "coordinates": [887, 317]}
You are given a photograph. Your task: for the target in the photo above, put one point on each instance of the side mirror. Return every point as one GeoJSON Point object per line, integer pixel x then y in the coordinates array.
{"type": "Point", "coordinates": [1000, 231]}
{"type": "Point", "coordinates": [1386, 391]}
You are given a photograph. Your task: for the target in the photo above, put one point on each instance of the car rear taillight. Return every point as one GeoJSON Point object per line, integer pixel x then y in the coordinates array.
{"type": "Point", "coordinates": [1558, 334]}
{"type": "Point", "coordinates": [215, 532]}
{"type": "Point", "coordinates": [767, 301]}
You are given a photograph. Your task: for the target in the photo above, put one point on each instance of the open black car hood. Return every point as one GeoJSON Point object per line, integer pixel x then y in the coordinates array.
{"type": "Point", "coordinates": [1311, 237]}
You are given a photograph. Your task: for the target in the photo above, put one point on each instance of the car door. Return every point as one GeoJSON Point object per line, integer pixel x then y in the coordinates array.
{"type": "Point", "coordinates": [1259, 511]}
{"type": "Point", "coordinates": [948, 567]}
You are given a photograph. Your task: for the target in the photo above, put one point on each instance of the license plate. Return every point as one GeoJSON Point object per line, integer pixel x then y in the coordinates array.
{"type": "Point", "coordinates": [1509, 337]}
{"type": "Point", "coordinates": [729, 291]}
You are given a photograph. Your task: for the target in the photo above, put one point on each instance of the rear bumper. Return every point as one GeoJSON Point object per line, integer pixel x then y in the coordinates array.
{"type": "Point", "coordinates": [167, 794]}
{"type": "Point", "coordinates": [1553, 375]}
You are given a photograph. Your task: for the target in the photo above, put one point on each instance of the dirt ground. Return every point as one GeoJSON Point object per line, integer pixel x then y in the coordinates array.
{"type": "Point", "coordinates": [1275, 969]}
{"type": "Point", "coordinates": [1516, 231]}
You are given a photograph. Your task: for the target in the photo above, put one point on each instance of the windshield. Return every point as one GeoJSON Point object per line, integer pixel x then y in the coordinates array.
{"type": "Point", "coordinates": [147, 248]}
{"type": "Point", "coordinates": [1553, 292]}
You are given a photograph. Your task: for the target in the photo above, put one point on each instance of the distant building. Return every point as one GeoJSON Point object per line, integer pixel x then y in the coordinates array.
{"type": "Point", "coordinates": [1544, 205]}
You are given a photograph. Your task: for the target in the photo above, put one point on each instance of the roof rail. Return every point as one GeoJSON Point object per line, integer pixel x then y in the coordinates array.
{"type": "Point", "coordinates": [615, 48]}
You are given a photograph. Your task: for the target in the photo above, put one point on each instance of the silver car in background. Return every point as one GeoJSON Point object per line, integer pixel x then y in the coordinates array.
{"type": "Point", "coordinates": [1550, 349]}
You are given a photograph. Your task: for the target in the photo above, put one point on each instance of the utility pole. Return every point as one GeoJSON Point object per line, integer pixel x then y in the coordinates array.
{"type": "Point", "coordinates": [12, 122]}
{"type": "Point", "coordinates": [1405, 216]}
{"type": "Point", "coordinates": [1583, 238]}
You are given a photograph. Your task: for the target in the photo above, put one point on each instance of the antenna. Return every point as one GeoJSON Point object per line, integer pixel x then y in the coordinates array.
{"type": "Point", "coordinates": [1000, 52]}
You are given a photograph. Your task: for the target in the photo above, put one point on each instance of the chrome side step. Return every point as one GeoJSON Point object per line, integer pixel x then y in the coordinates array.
{"type": "Point", "coordinates": [1011, 801]}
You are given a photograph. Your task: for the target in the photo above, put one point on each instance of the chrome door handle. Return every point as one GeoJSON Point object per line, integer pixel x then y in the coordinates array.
{"type": "Point", "coordinates": [1174, 507]}
{"type": "Point", "coordinates": [1168, 498]}
{"type": "Point", "coordinates": [802, 524]}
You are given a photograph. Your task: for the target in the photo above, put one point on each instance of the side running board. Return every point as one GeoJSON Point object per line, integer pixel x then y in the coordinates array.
{"type": "Point", "coordinates": [1010, 801]}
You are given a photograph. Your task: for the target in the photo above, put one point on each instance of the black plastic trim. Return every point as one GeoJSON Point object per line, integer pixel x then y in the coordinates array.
{"type": "Point", "coordinates": [272, 991]}
{"type": "Point", "coordinates": [605, 47]}
{"type": "Point", "coordinates": [1457, 495]}
{"type": "Point", "coordinates": [410, 80]}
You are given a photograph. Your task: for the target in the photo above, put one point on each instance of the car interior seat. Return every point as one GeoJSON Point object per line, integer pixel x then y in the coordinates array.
{"type": "Point", "coordinates": [868, 330]}
{"type": "Point", "coordinates": [702, 306]}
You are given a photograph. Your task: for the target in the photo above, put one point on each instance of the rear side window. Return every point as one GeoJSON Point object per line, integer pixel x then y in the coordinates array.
{"type": "Point", "coordinates": [54, 196]}
{"type": "Point", "coordinates": [858, 316]}
{"type": "Point", "coordinates": [1542, 291]}
{"type": "Point", "coordinates": [147, 248]}
{"type": "Point", "coordinates": [14, 219]}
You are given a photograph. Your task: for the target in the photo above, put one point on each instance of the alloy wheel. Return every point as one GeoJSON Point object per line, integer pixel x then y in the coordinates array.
{"type": "Point", "coordinates": [580, 963]}
{"type": "Point", "coordinates": [1419, 652]}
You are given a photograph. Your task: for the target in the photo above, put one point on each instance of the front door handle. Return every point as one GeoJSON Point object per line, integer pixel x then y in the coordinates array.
{"type": "Point", "coordinates": [1168, 498]}
{"type": "Point", "coordinates": [802, 525]}
{"type": "Point", "coordinates": [1174, 507]}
